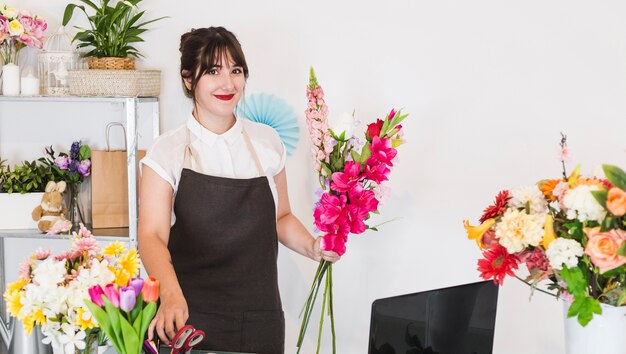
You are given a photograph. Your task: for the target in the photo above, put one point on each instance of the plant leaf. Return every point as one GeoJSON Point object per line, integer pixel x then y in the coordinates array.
{"type": "Point", "coordinates": [615, 175]}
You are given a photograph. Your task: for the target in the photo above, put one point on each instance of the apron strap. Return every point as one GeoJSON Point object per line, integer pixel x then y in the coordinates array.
{"type": "Point", "coordinates": [252, 150]}
{"type": "Point", "coordinates": [189, 153]}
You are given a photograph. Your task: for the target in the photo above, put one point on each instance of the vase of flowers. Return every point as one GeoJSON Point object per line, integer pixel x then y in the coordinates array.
{"type": "Point", "coordinates": [51, 290]}
{"type": "Point", "coordinates": [18, 29]}
{"type": "Point", "coordinates": [570, 233]}
{"type": "Point", "coordinates": [72, 169]}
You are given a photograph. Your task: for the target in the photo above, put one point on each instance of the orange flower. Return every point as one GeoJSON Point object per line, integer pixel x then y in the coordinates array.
{"type": "Point", "coordinates": [150, 290]}
{"type": "Point", "coordinates": [587, 182]}
{"type": "Point", "coordinates": [547, 186]}
{"type": "Point", "coordinates": [476, 232]}
{"type": "Point", "coordinates": [616, 201]}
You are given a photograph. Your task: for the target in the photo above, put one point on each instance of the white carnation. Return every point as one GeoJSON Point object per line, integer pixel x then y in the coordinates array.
{"type": "Point", "coordinates": [564, 251]}
{"type": "Point", "coordinates": [49, 273]}
{"type": "Point", "coordinates": [517, 230]}
{"type": "Point", "coordinates": [580, 204]}
{"type": "Point", "coordinates": [531, 195]}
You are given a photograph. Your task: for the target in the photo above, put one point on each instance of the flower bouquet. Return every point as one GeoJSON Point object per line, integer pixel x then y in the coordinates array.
{"type": "Point", "coordinates": [124, 314]}
{"type": "Point", "coordinates": [351, 177]}
{"type": "Point", "coordinates": [568, 231]}
{"type": "Point", "coordinates": [51, 290]}
{"type": "Point", "coordinates": [18, 29]}
{"type": "Point", "coordinates": [72, 169]}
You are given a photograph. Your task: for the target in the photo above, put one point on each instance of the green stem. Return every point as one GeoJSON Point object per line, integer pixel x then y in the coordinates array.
{"type": "Point", "coordinates": [331, 311]}
{"type": "Point", "coordinates": [308, 309]}
{"type": "Point", "coordinates": [319, 333]}
{"type": "Point", "coordinates": [536, 288]}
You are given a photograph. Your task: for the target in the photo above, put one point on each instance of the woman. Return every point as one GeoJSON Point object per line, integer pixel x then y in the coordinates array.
{"type": "Point", "coordinates": [213, 206]}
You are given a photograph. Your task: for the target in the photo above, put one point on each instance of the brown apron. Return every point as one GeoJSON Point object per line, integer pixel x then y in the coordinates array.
{"type": "Point", "coordinates": [224, 249]}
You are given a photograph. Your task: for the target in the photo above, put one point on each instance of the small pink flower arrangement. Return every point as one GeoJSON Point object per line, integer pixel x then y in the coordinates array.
{"type": "Point", "coordinates": [19, 29]}
{"type": "Point", "coordinates": [351, 179]}
{"type": "Point", "coordinates": [569, 232]}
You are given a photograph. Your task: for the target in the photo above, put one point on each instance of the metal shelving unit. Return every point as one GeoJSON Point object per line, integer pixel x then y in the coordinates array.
{"type": "Point", "coordinates": [131, 105]}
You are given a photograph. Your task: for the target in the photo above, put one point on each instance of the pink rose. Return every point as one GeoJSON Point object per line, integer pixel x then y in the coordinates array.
{"type": "Point", "coordinates": [602, 248]}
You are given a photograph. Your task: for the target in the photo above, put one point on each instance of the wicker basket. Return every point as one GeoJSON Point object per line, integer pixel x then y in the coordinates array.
{"type": "Point", "coordinates": [111, 63]}
{"type": "Point", "coordinates": [129, 83]}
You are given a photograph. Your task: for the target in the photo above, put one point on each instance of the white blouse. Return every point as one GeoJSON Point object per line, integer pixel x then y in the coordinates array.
{"type": "Point", "coordinates": [224, 155]}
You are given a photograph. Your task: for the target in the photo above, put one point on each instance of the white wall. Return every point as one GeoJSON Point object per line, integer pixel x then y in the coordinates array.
{"type": "Point", "coordinates": [489, 85]}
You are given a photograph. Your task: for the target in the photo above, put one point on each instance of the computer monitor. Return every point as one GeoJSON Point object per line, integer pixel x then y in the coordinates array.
{"type": "Point", "coordinates": [455, 320]}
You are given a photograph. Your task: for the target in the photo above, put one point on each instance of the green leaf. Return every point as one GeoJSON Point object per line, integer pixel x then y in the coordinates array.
{"type": "Point", "coordinates": [356, 157]}
{"type": "Point", "coordinates": [622, 250]}
{"type": "Point", "coordinates": [148, 314]}
{"type": "Point", "coordinates": [114, 315]}
{"type": "Point", "coordinates": [575, 280]}
{"type": "Point", "coordinates": [131, 338]}
{"type": "Point", "coordinates": [69, 10]}
{"type": "Point", "coordinates": [84, 152]}
{"type": "Point", "coordinates": [600, 196]}
{"type": "Point", "coordinates": [366, 152]}
{"type": "Point", "coordinates": [104, 321]}
{"type": "Point", "coordinates": [615, 175]}
{"type": "Point", "coordinates": [584, 307]}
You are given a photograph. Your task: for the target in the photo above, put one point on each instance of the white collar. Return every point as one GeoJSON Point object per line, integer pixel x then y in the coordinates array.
{"type": "Point", "coordinates": [208, 137]}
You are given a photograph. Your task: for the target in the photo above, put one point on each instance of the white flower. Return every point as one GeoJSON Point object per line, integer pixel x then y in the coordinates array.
{"type": "Point", "coordinates": [49, 273]}
{"type": "Point", "coordinates": [517, 230]}
{"type": "Point", "coordinates": [15, 28]}
{"type": "Point", "coordinates": [342, 123]}
{"type": "Point", "coordinates": [72, 339]}
{"type": "Point", "coordinates": [580, 204]}
{"type": "Point", "coordinates": [9, 12]}
{"type": "Point", "coordinates": [97, 274]}
{"type": "Point", "coordinates": [564, 251]}
{"type": "Point", "coordinates": [531, 195]}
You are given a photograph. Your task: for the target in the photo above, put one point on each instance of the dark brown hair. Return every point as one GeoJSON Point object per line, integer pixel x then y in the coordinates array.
{"type": "Point", "coordinates": [202, 49]}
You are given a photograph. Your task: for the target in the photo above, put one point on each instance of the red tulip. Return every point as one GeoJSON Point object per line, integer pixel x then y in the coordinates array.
{"type": "Point", "coordinates": [150, 290]}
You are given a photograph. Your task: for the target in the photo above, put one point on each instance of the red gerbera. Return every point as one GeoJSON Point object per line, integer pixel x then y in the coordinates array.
{"type": "Point", "coordinates": [498, 207]}
{"type": "Point", "coordinates": [497, 264]}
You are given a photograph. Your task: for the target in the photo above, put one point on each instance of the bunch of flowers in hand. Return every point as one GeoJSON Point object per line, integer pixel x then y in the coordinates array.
{"type": "Point", "coordinates": [124, 313]}
{"type": "Point", "coordinates": [51, 290]}
{"type": "Point", "coordinates": [19, 29]}
{"type": "Point", "coordinates": [351, 176]}
{"type": "Point", "coordinates": [569, 232]}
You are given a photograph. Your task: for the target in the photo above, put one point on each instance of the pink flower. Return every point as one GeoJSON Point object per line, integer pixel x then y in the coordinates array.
{"type": "Point", "coordinates": [373, 129]}
{"type": "Point", "coordinates": [363, 198]}
{"type": "Point", "coordinates": [344, 181]}
{"type": "Point", "coordinates": [535, 259]}
{"type": "Point", "coordinates": [25, 267]}
{"type": "Point", "coordinates": [335, 242]}
{"type": "Point", "coordinates": [382, 150]}
{"type": "Point", "coordinates": [60, 226]}
{"type": "Point", "coordinates": [375, 171]}
{"type": "Point", "coordinates": [62, 162]}
{"type": "Point", "coordinates": [330, 208]}
{"type": "Point", "coordinates": [42, 254]}
{"type": "Point", "coordinates": [84, 168]}
{"type": "Point", "coordinates": [602, 248]}
{"type": "Point", "coordinates": [112, 294]}
{"type": "Point", "coordinates": [87, 245]}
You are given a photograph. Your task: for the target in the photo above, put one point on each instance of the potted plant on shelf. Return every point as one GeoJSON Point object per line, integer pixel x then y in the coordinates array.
{"type": "Point", "coordinates": [21, 189]}
{"type": "Point", "coordinates": [115, 27]}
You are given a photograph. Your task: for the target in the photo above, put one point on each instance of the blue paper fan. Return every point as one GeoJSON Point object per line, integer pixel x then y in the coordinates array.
{"type": "Point", "coordinates": [275, 112]}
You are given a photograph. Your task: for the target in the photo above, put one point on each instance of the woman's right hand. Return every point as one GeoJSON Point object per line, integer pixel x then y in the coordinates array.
{"type": "Point", "coordinates": [171, 316]}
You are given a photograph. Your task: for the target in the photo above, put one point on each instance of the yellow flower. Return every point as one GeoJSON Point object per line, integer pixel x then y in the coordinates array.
{"type": "Point", "coordinates": [129, 262]}
{"type": "Point", "coordinates": [477, 232]}
{"type": "Point", "coordinates": [85, 319]}
{"type": "Point", "coordinates": [14, 302]}
{"type": "Point", "coordinates": [121, 277]}
{"type": "Point", "coordinates": [114, 249]}
{"type": "Point", "coordinates": [549, 234]}
{"type": "Point", "coordinates": [17, 285]}
{"type": "Point", "coordinates": [16, 28]}
{"type": "Point", "coordinates": [39, 317]}
{"type": "Point", "coordinates": [29, 323]}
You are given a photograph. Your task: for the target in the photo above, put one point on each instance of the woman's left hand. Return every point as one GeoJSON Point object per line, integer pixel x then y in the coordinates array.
{"type": "Point", "coordinates": [318, 254]}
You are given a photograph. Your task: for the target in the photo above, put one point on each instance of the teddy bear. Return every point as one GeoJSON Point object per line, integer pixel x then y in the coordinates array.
{"type": "Point", "coordinates": [51, 208]}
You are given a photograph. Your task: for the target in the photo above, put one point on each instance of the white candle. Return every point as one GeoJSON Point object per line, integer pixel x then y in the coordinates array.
{"type": "Point", "coordinates": [11, 80]}
{"type": "Point", "coordinates": [30, 85]}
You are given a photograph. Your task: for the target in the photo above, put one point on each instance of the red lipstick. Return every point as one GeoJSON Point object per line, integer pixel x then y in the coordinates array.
{"type": "Point", "coordinates": [225, 97]}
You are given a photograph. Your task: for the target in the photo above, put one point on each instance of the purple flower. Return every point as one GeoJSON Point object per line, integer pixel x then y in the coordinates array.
{"type": "Point", "coordinates": [75, 150]}
{"type": "Point", "coordinates": [95, 293]}
{"type": "Point", "coordinates": [127, 298]}
{"type": "Point", "coordinates": [62, 162]}
{"type": "Point", "coordinates": [84, 168]}
{"type": "Point", "coordinates": [137, 284]}
{"type": "Point", "coordinates": [73, 166]}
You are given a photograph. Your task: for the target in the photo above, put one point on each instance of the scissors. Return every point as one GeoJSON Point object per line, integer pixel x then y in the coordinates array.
{"type": "Point", "coordinates": [185, 339]}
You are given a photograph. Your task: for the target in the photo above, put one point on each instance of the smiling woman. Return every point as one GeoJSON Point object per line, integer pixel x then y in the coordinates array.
{"type": "Point", "coordinates": [214, 205]}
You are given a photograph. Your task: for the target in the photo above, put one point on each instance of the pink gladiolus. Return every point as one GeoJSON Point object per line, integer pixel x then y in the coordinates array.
{"type": "Point", "coordinates": [363, 199]}
{"type": "Point", "coordinates": [112, 294]}
{"type": "Point", "coordinates": [375, 171]}
{"type": "Point", "coordinates": [344, 181]}
{"type": "Point", "coordinates": [334, 242]}
{"type": "Point", "coordinates": [95, 294]}
{"type": "Point", "coordinates": [330, 208]}
{"type": "Point", "coordinates": [382, 150]}
{"type": "Point", "coordinates": [391, 114]}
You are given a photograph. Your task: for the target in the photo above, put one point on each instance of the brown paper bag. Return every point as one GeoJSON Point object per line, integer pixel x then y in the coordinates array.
{"type": "Point", "coordinates": [109, 185]}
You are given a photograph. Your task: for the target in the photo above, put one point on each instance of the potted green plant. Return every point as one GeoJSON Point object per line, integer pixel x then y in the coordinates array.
{"type": "Point", "coordinates": [21, 189]}
{"type": "Point", "coordinates": [115, 27]}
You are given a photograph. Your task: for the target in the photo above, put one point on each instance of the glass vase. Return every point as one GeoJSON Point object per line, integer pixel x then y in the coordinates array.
{"type": "Point", "coordinates": [91, 345]}
{"type": "Point", "coordinates": [74, 214]}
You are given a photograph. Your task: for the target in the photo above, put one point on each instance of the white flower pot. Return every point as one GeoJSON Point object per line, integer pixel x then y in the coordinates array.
{"type": "Point", "coordinates": [16, 210]}
{"type": "Point", "coordinates": [605, 334]}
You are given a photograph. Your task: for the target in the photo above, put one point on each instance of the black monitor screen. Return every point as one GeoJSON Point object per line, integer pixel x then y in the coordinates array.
{"type": "Point", "coordinates": [455, 320]}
